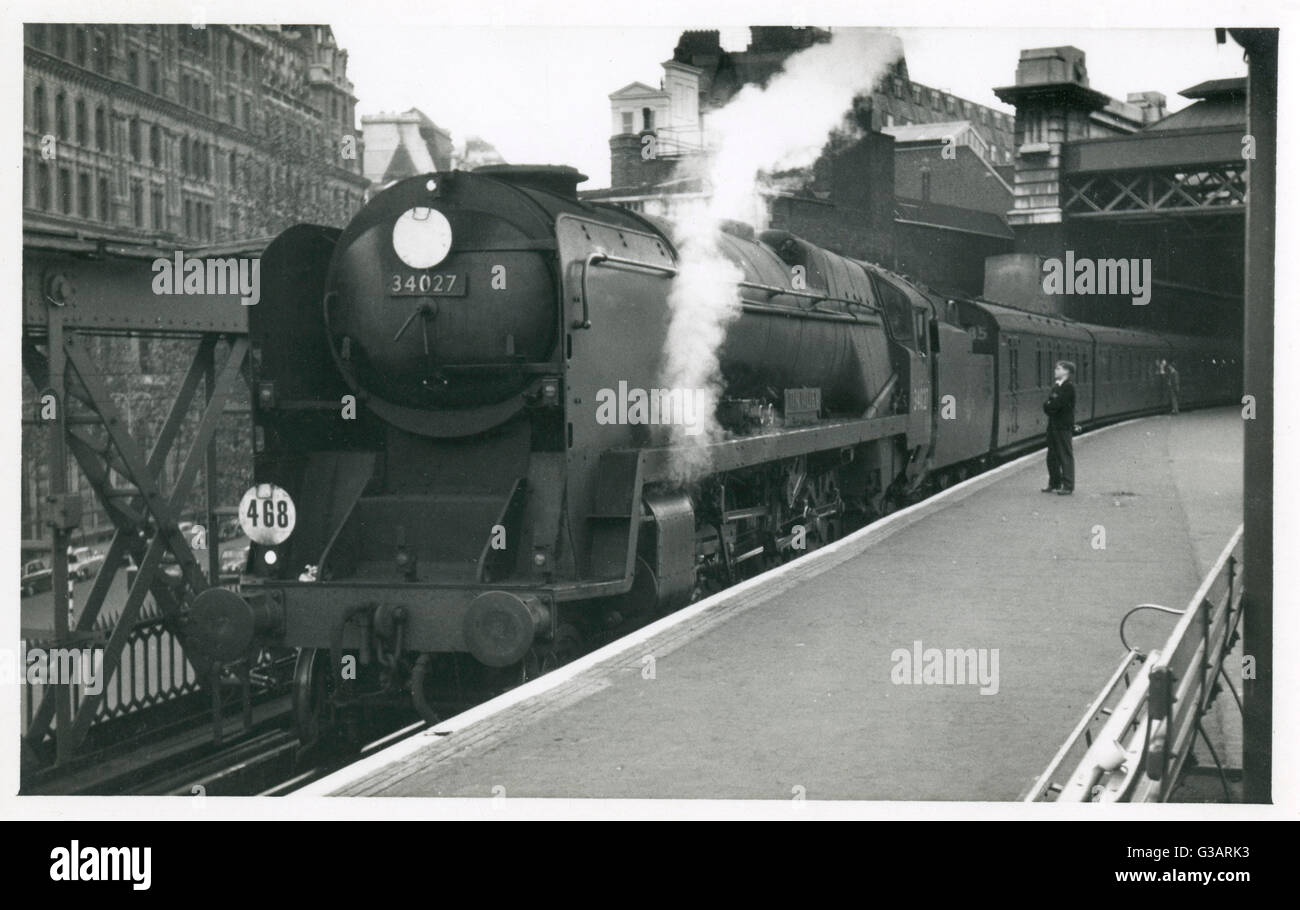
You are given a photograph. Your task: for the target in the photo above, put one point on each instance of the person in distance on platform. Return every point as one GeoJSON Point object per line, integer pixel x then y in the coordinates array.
{"type": "Point", "coordinates": [1059, 408]}
{"type": "Point", "coordinates": [1171, 383]}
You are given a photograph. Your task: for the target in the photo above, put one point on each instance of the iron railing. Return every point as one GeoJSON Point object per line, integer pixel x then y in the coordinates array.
{"type": "Point", "coordinates": [1134, 740]}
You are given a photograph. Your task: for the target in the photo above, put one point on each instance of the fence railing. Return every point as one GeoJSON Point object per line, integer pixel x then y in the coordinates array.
{"type": "Point", "coordinates": [1135, 738]}
{"type": "Point", "coordinates": [152, 672]}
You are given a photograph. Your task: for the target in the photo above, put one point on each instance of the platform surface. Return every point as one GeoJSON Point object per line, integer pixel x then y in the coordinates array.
{"type": "Point", "coordinates": [789, 686]}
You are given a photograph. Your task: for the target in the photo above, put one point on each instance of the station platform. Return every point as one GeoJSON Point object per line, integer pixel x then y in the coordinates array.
{"type": "Point", "coordinates": [796, 683]}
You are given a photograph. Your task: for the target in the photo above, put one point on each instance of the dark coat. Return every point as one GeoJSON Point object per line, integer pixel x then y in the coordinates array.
{"type": "Point", "coordinates": [1059, 407]}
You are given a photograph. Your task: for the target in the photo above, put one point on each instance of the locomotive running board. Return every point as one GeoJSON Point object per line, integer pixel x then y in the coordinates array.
{"type": "Point", "coordinates": [730, 454]}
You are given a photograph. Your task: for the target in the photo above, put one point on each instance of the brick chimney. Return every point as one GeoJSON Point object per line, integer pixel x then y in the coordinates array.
{"type": "Point", "coordinates": [625, 160]}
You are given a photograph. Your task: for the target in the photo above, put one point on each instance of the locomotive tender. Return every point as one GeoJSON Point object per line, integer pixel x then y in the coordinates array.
{"type": "Point", "coordinates": [428, 383]}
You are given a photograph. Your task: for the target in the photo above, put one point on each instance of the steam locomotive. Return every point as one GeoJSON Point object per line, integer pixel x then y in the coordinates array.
{"type": "Point", "coordinates": [429, 386]}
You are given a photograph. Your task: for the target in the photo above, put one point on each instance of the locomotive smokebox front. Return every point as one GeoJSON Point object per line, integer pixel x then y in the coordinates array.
{"type": "Point", "coordinates": [441, 292]}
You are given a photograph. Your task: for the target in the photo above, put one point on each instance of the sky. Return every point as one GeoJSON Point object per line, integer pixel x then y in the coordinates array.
{"type": "Point", "coordinates": [540, 94]}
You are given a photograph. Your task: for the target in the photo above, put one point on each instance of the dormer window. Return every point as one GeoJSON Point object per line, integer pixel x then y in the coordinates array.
{"type": "Point", "coordinates": [627, 121]}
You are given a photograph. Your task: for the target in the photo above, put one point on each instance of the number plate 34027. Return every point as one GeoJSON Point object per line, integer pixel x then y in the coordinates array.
{"type": "Point", "coordinates": [426, 284]}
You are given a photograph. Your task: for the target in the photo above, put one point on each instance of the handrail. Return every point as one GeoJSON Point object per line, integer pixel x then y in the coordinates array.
{"type": "Point", "coordinates": [772, 290]}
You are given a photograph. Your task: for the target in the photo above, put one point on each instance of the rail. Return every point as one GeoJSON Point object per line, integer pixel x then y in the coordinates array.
{"type": "Point", "coordinates": [1133, 741]}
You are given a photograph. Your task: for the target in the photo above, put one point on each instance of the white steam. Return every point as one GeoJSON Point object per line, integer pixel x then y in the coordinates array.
{"type": "Point", "coordinates": [784, 125]}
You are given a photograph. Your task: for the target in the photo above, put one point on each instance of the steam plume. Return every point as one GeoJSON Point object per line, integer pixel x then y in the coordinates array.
{"type": "Point", "coordinates": [784, 125]}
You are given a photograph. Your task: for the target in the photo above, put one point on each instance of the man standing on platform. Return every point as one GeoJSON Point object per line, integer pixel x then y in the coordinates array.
{"type": "Point", "coordinates": [1059, 408]}
{"type": "Point", "coordinates": [1171, 383]}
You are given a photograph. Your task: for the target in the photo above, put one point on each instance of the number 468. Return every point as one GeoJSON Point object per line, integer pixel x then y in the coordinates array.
{"type": "Point", "coordinates": [271, 515]}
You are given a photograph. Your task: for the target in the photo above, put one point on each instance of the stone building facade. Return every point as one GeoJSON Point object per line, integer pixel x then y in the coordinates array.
{"type": "Point", "coordinates": [185, 134]}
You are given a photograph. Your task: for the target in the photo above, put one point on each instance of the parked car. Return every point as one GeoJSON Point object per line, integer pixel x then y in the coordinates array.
{"type": "Point", "coordinates": [234, 560]}
{"type": "Point", "coordinates": [83, 562]}
{"type": "Point", "coordinates": [37, 576]}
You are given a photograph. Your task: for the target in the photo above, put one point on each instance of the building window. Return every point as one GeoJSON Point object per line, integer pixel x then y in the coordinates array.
{"type": "Point", "coordinates": [628, 125]}
{"type": "Point", "coordinates": [61, 40]}
{"type": "Point", "coordinates": [231, 106]}
{"type": "Point", "coordinates": [133, 68]}
{"type": "Point", "coordinates": [234, 170]}
{"type": "Point", "coordinates": [80, 118]}
{"type": "Point", "coordinates": [101, 130]}
{"type": "Point", "coordinates": [137, 203]}
{"type": "Point", "coordinates": [155, 77]}
{"type": "Point", "coordinates": [158, 221]}
{"type": "Point", "coordinates": [43, 186]}
{"type": "Point", "coordinates": [230, 56]}
{"type": "Point", "coordinates": [234, 220]}
{"type": "Point", "coordinates": [133, 134]}
{"type": "Point", "coordinates": [83, 196]}
{"type": "Point", "coordinates": [1035, 127]}
{"type": "Point", "coordinates": [647, 119]}
{"type": "Point", "coordinates": [155, 144]}
{"type": "Point", "coordinates": [101, 52]}
{"type": "Point", "coordinates": [38, 110]}
{"type": "Point", "coordinates": [83, 47]}
{"type": "Point", "coordinates": [189, 218]}
{"type": "Point", "coordinates": [65, 191]}
{"type": "Point", "coordinates": [185, 156]}
{"type": "Point", "coordinates": [61, 116]}
{"type": "Point", "coordinates": [105, 203]}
